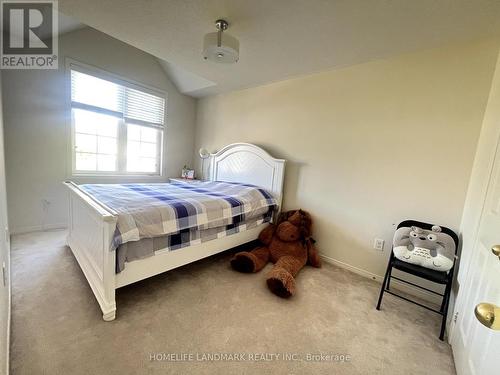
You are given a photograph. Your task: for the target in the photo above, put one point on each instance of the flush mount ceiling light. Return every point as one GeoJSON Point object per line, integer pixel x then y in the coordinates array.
{"type": "Point", "coordinates": [219, 46]}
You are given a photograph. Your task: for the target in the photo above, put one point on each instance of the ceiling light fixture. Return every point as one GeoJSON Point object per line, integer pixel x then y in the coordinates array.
{"type": "Point", "coordinates": [221, 47]}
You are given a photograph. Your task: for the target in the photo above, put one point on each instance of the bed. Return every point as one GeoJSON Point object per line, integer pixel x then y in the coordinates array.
{"type": "Point", "coordinates": [98, 245]}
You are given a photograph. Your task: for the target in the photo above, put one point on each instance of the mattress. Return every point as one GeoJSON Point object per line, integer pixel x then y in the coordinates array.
{"type": "Point", "coordinates": [148, 247]}
{"type": "Point", "coordinates": [147, 211]}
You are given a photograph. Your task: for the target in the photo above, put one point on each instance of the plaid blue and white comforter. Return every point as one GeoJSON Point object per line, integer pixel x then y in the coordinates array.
{"type": "Point", "coordinates": [148, 247]}
{"type": "Point", "coordinates": [153, 210]}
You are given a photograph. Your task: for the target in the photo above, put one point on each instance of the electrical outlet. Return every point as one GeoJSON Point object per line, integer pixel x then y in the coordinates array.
{"type": "Point", "coordinates": [378, 244]}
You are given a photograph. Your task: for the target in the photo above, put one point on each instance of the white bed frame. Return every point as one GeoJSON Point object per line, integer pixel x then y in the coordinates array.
{"type": "Point", "coordinates": [92, 225]}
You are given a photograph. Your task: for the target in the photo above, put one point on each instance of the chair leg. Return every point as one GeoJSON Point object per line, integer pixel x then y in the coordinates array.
{"type": "Point", "coordinates": [389, 279]}
{"type": "Point", "coordinates": [444, 309]}
{"type": "Point", "coordinates": [384, 283]}
{"type": "Point", "coordinates": [446, 292]}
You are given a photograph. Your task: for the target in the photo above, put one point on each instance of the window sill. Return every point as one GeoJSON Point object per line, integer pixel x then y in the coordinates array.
{"type": "Point", "coordinates": [116, 179]}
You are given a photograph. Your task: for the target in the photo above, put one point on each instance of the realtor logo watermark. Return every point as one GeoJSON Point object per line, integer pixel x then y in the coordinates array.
{"type": "Point", "coordinates": [29, 35]}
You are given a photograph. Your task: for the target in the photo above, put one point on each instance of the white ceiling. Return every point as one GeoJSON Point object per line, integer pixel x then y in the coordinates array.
{"type": "Point", "coordinates": [280, 39]}
{"type": "Point", "coordinates": [65, 25]}
{"type": "Point", "coordinates": [68, 24]}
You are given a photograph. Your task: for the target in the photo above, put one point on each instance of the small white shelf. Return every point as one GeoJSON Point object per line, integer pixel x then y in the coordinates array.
{"type": "Point", "coordinates": [184, 180]}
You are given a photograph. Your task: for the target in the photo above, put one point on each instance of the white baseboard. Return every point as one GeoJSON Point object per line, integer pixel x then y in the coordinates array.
{"type": "Point", "coordinates": [38, 228]}
{"type": "Point", "coordinates": [405, 288]}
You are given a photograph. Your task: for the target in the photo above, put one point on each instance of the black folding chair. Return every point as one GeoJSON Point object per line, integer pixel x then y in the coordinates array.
{"type": "Point", "coordinates": [443, 278]}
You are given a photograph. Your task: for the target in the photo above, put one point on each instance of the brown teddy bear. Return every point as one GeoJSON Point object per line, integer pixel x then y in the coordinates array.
{"type": "Point", "coordinates": [289, 245]}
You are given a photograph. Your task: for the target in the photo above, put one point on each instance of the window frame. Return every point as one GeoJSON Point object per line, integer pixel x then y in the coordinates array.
{"type": "Point", "coordinates": [121, 162]}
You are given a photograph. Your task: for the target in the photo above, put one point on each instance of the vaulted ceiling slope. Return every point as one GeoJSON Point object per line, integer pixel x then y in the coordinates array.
{"type": "Point", "coordinates": [280, 39]}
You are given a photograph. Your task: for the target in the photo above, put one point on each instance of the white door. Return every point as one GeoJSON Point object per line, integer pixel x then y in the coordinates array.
{"type": "Point", "coordinates": [476, 348]}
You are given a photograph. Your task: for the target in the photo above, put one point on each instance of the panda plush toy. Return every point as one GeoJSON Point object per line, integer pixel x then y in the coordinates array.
{"type": "Point", "coordinates": [427, 248]}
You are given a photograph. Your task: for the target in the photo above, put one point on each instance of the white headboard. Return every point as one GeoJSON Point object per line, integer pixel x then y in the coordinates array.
{"type": "Point", "coordinates": [249, 164]}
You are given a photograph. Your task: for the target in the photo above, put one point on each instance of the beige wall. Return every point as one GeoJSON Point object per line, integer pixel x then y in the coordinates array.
{"type": "Point", "coordinates": [4, 259]}
{"type": "Point", "coordinates": [369, 145]}
{"type": "Point", "coordinates": [37, 121]}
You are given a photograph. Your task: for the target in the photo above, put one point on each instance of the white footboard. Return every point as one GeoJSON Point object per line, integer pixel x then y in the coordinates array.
{"type": "Point", "coordinates": [91, 229]}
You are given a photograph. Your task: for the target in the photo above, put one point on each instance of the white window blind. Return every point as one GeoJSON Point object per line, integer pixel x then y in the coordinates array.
{"type": "Point", "coordinates": [116, 128]}
{"type": "Point", "coordinates": [144, 107]}
{"type": "Point", "coordinates": [134, 105]}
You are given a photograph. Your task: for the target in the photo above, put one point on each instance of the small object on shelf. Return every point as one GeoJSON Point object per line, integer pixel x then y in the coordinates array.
{"type": "Point", "coordinates": [187, 173]}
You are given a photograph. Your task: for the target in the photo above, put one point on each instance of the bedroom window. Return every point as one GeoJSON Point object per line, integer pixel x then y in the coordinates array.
{"type": "Point", "coordinates": [117, 127]}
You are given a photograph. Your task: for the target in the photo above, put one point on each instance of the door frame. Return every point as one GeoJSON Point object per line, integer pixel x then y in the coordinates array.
{"type": "Point", "coordinates": [487, 148]}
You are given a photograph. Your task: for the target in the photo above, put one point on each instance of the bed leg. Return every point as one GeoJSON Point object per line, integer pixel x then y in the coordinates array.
{"type": "Point", "coordinates": [110, 316]}
{"type": "Point", "coordinates": [108, 304]}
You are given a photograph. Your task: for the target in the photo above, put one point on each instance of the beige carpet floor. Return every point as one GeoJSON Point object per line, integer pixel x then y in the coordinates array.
{"type": "Point", "coordinates": [206, 307]}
